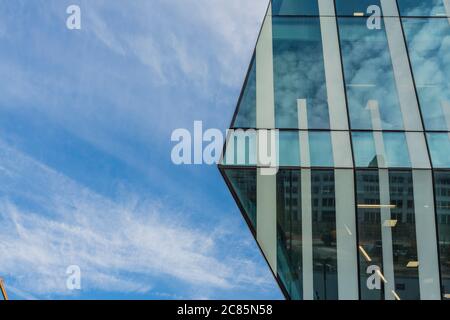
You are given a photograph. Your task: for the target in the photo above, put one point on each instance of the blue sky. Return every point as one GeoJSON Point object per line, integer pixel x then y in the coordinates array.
{"type": "Point", "coordinates": [85, 171]}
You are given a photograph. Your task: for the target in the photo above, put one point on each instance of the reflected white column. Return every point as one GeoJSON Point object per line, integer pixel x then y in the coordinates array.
{"type": "Point", "coordinates": [346, 235]}
{"type": "Point", "coordinates": [332, 63]}
{"type": "Point", "coordinates": [386, 235]}
{"type": "Point", "coordinates": [417, 149]}
{"type": "Point", "coordinates": [307, 242]}
{"type": "Point", "coordinates": [426, 235]}
{"type": "Point", "coordinates": [307, 239]}
{"type": "Point", "coordinates": [402, 72]}
{"type": "Point", "coordinates": [303, 135]}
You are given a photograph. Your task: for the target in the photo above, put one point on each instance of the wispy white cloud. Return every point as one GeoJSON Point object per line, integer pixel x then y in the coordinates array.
{"type": "Point", "coordinates": [120, 247]}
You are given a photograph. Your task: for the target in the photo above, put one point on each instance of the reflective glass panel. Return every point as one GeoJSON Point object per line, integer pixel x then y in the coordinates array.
{"type": "Point", "coordinates": [423, 8]}
{"type": "Point", "coordinates": [288, 151]}
{"type": "Point", "coordinates": [289, 232]}
{"type": "Point", "coordinates": [439, 144]}
{"type": "Point", "coordinates": [295, 7]}
{"type": "Point", "coordinates": [386, 220]}
{"type": "Point", "coordinates": [369, 76]}
{"type": "Point", "coordinates": [321, 150]}
{"type": "Point", "coordinates": [369, 234]}
{"type": "Point", "coordinates": [243, 183]}
{"type": "Point", "coordinates": [355, 7]}
{"type": "Point", "coordinates": [442, 181]}
{"type": "Point", "coordinates": [393, 149]}
{"type": "Point", "coordinates": [240, 148]}
{"type": "Point", "coordinates": [299, 73]}
{"type": "Point", "coordinates": [246, 116]}
{"type": "Point", "coordinates": [402, 226]}
{"type": "Point", "coordinates": [428, 42]}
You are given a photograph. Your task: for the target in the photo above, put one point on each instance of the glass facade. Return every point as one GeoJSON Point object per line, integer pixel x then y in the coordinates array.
{"type": "Point", "coordinates": [358, 95]}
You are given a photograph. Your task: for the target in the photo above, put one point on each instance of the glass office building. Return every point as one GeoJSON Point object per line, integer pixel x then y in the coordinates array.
{"type": "Point", "coordinates": [358, 92]}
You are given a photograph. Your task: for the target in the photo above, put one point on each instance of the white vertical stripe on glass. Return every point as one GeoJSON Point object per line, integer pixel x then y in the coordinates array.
{"type": "Point", "coordinates": [342, 152]}
{"type": "Point", "coordinates": [417, 148]}
{"type": "Point", "coordinates": [380, 151]}
{"type": "Point", "coordinates": [346, 235]}
{"type": "Point", "coordinates": [265, 101]}
{"type": "Point", "coordinates": [333, 70]}
{"type": "Point", "coordinates": [307, 252]}
{"type": "Point", "coordinates": [305, 160]}
{"type": "Point", "coordinates": [402, 72]}
{"type": "Point", "coordinates": [426, 235]}
{"type": "Point", "coordinates": [266, 218]}
{"type": "Point", "coordinates": [386, 235]}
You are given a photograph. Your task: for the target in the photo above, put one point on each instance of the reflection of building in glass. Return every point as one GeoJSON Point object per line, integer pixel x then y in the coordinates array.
{"type": "Point", "coordinates": [360, 206]}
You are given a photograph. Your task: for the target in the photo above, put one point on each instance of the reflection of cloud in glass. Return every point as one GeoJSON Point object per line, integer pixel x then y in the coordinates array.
{"type": "Point", "coordinates": [369, 75]}
{"type": "Point", "coordinates": [299, 72]}
{"type": "Point", "coordinates": [439, 144]}
{"type": "Point", "coordinates": [421, 8]}
{"type": "Point", "coordinates": [429, 46]}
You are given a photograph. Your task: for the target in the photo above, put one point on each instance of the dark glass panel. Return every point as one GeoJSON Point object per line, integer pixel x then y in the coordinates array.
{"type": "Point", "coordinates": [428, 42]}
{"type": "Point", "coordinates": [289, 232]}
{"type": "Point", "coordinates": [246, 116]}
{"type": "Point", "coordinates": [404, 243]}
{"type": "Point", "coordinates": [243, 183]}
{"type": "Point", "coordinates": [442, 181]}
{"type": "Point", "coordinates": [295, 7]}
{"type": "Point", "coordinates": [369, 76]}
{"type": "Point", "coordinates": [369, 231]}
{"type": "Point", "coordinates": [324, 235]}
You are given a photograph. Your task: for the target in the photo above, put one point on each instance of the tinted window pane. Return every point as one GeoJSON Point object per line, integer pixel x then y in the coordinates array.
{"type": "Point", "coordinates": [246, 117]}
{"type": "Point", "coordinates": [439, 144]}
{"type": "Point", "coordinates": [428, 43]}
{"type": "Point", "coordinates": [299, 73]}
{"type": "Point", "coordinates": [396, 150]}
{"type": "Point", "coordinates": [392, 215]}
{"type": "Point", "coordinates": [321, 151]}
{"type": "Point", "coordinates": [295, 7]}
{"type": "Point", "coordinates": [350, 7]}
{"type": "Point", "coordinates": [394, 154]}
{"type": "Point", "coordinates": [289, 232]}
{"type": "Point", "coordinates": [403, 230]}
{"type": "Point", "coordinates": [324, 235]}
{"type": "Point", "coordinates": [289, 153]}
{"type": "Point", "coordinates": [369, 76]}
{"type": "Point", "coordinates": [369, 231]}
{"type": "Point", "coordinates": [422, 8]}
{"type": "Point", "coordinates": [364, 150]}
{"type": "Point", "coordinates": [243, 183]}
{"type": "Point", "coordinates": [442, 180]}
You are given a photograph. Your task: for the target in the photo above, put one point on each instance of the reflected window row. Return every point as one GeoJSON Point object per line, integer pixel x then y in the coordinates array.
{"type": "Point", "coordinates": [363, 149]}
{"type": "Point", "coordinates": [406, 8]}
{"type": "Point", "coordinates": [390, 222]}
